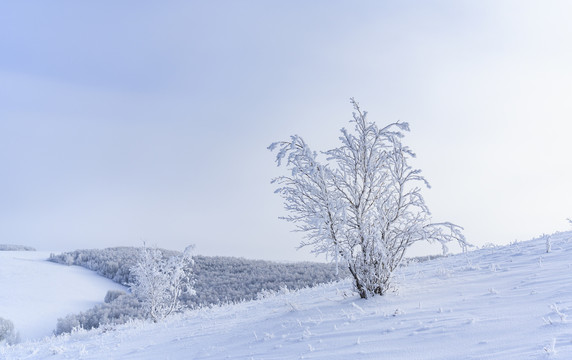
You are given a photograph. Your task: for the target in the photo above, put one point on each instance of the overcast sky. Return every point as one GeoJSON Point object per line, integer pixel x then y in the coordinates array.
{"type": "Point", "coordinates": [131, 121]}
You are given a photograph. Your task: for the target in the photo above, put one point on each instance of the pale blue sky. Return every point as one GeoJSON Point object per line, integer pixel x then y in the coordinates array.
{"type": "Point", "coordinates": [131, 121]}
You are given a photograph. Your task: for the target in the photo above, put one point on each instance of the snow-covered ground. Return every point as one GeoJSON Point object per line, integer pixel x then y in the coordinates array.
{"type": "Point", "coordinates": [34, 293]}
{"type": "Point", "coordinates": [497, 303]}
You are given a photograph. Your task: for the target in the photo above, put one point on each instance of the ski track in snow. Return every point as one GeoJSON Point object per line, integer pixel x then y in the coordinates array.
{"type": "Point", "coordinates": [508, 302]}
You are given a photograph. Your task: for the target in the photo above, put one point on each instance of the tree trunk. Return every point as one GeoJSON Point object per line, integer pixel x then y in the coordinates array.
{"type": "Point", "coordinates": [362, 291]}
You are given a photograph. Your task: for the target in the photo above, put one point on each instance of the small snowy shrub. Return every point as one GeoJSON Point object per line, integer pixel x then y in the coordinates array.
{"type": "Point", "coordinates": [560, 314]}
{"type": "Point", "coordinates": [470, 266]}
{"type": "Point", "coordinates": [265, 294]}
{"type": "Point", "coordinates": [112, 295]}
{"type": "Point", "coordinates": [515, 248]}
{"type": "Point", "coordinates": [160, 282]}
{"type": "Point", "coordinates": [490, 246]}
{"type": "Point", "coordinates": [443, 272]}
{"type": "Point", "coordinates": [548, 243]}
{"type": "Point", "coordinates": [551, 349]}
{"type": "Point", "coordinates": [70, 322]}
{"type": "Point", "coordinates": [7, 332]}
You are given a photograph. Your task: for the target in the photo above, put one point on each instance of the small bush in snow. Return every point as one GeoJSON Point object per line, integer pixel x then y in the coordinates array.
{"type": "Point", "coordinates": [160, 282]}
{"type": "Point", "coordinates": [560, 314]}
{"type": "Point", "coordinates": [551, 349]}
{"type": "Point", "coordinates": [264, 294]}
{"type": "Point", "coordinates": [112, 295]}
{"type": "Point", "coordinates": [7, 332]}
{"type": "Point", "coordinates": [548, 241]}
{"type": "Point", "coordinates": [490, 246]}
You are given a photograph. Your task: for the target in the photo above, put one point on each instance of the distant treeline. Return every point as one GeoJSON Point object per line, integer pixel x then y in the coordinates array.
{"type": "Point", "coordinates": [217, 280]}
{"type": "Point", "coordinates": [112, 263]}
{"type": "Point", "coordinates": [10, 247]}
{"type": "Point", "coordinates": [229, 279]}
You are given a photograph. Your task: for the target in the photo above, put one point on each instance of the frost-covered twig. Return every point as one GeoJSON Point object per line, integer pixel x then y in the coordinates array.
{"type": "Point", "coordinates": [559, 313]}
{"type": "Point", "coordinates": [551, 349]}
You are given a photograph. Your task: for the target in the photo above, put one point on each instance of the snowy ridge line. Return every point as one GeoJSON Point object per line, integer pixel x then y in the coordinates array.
{"type": "Point", "coordinates": [503, 302]}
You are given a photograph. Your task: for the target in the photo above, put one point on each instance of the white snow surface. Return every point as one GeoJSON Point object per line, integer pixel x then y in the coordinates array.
{"type": "Point", "coordinates": [508, 302]}
{"type": "Point", "coordinates": [34, 292]}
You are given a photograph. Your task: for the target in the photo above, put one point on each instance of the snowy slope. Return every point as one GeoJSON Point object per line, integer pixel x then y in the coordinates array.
{"type": "Point", "coordinates": [35, 293]}
{"type": "Point", "coordinates": [499, 303]}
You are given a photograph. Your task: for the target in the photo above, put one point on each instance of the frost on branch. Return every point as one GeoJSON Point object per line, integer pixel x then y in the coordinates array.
{"type": "Point", "coordinates": [160, 282]}
{"type": "Point", "coordinates": [363, 204]}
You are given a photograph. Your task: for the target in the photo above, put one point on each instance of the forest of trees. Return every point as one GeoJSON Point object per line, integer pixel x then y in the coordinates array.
{"type": "Point", "coordinates": [10, 247]}
{"type": "Point", "coordinates": [216, 280]}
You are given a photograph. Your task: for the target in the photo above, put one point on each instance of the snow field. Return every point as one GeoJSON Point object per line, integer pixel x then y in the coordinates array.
{"type": "Point", "coordinates": [35, 292]}
{"type": "Point", "coordinates": [510, 302]}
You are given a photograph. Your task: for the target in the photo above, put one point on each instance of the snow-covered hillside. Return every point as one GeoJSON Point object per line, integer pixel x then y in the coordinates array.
{"type": "Point", "coordinates": [34, 293]}
{"type": "Point", "coordinates": [497, 303]}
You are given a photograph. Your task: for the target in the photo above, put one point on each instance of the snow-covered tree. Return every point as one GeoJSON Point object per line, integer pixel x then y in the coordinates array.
{"type": "Point", "coordinates": [7, 332]}
{"type": "Point", "coordinates": [363, 204]}
{"type": "Point", "coordinates": [160, 281]}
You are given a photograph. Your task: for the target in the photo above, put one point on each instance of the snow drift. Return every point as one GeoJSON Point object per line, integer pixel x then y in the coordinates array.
{"type": "Point", "coordinates": [35, 293]}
